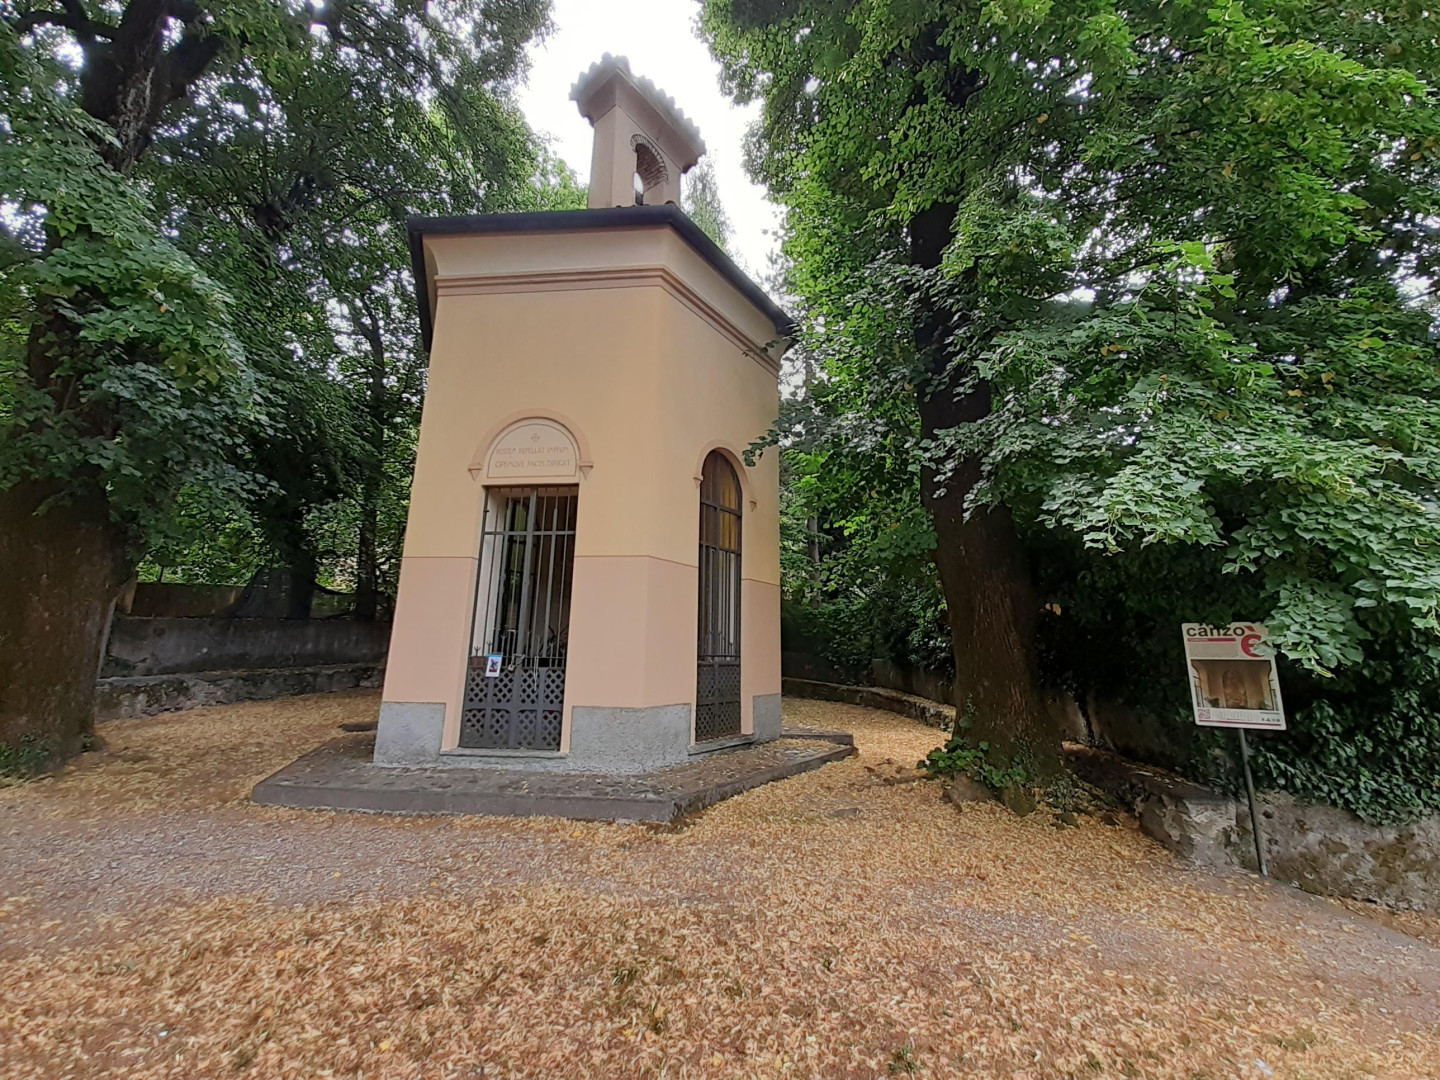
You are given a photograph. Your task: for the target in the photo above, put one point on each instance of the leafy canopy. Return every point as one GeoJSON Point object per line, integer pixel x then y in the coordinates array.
{"type": "Point", "coordinates": [1187, 239]}
{"type": "Point", "coordinates": [251, 203]}
{"type": "Point", "coordinates": [1194, 249]}
{"type": "Point", "coordinates": [294, 191]}
{"type": "Point", "coordinates": [148, 342]}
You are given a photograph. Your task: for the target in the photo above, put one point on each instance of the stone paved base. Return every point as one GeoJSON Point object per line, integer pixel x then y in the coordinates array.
{"type": "Point", "coordinates": [340, 776]}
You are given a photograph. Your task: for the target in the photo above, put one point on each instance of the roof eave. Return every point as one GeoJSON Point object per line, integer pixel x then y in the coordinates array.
{"type": "Point", "coordinates": [575, 220]}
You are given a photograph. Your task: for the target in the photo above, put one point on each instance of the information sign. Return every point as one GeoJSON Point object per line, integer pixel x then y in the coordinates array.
{"type": "Point", "coordinates": [1232, 676]}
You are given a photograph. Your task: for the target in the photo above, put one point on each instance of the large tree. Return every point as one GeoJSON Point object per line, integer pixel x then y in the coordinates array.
{"type": "Point", "coordinates": [119, 376]}
{"type": "Point", "coordinates": [1140, 268]}
{"type": "Point", "coordinates": [123, 373]}
{"type": "Point", "coordinates": [296, 196]}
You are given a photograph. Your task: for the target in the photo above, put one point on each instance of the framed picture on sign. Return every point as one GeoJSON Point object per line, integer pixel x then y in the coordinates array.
{"type": "Point", "coordinates": [493, 661]}
{"type": "Point", "coordinates": [1232, 676]}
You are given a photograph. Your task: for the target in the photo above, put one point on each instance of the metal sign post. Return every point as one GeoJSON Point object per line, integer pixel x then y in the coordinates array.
{"type": "Point", "coordinates": [1233, 683]}
{"type": "Point", "coordinates": [1254, 812]}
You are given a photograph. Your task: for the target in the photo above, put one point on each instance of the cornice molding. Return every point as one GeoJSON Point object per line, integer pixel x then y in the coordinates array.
{"type": "Point", "coordinates": [552, 221]}
{"type": "Point", "coordinates": [610, 277]}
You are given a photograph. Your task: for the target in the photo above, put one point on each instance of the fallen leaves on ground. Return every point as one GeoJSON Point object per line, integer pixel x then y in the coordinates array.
{"type": "Point", "coordinates": [199, 758]}
{"type": "Point", "coordinates": [832, 925]}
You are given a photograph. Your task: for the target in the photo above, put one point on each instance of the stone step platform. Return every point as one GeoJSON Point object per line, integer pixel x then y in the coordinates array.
{"type": "Point", "coordinates": [340, 776]}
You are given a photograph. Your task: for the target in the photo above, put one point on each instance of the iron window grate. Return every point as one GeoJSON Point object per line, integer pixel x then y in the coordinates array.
{"type": "Point", "coordinates": [717, 687]}
{"type": "Point", "coordinates": [522, 615]}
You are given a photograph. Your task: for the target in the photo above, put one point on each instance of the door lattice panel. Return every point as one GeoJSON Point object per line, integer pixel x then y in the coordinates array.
{"type": "Point", "coordinates": [717, 701]}
{"type": "Point", "coordinates": [515, 710]}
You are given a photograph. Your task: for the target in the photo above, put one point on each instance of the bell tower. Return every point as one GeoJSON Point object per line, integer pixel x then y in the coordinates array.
{"type": "Point", "coordinates": [643, 142]}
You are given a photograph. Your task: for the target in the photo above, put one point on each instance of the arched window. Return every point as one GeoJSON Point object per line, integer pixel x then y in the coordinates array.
{"type": "Point", "coordinates": [717, 689]}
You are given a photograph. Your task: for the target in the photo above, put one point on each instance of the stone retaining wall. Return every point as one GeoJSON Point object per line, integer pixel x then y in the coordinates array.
{"type": "Point", "coordinates": [140, 646]}
{"type": "Point", "coordinates": [1320, 849]}
{"type": "Point", "coordinates": [913, 680]}
{"type": "Point", "coordinates": [148, 695]}
{"type": "Point", "coordinates": [164, 664]}
{"type": "Point", "coordinates": [933, 713]}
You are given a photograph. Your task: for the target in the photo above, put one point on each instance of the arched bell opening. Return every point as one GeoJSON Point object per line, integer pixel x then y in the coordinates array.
{"type": "Point", "coordinates": [650, 174]}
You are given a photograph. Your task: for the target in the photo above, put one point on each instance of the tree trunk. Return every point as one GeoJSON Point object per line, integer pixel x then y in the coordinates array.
{"type": "Point", "coordinates": [300, 596]}
{"type": "Point", "coordinates": [135, 69]}
{"type": "Point", "coordinates": [367, 583]}
{"type": "Point", "coordinates": [989, 595]}
{"type": "Point", "coordinates": [62, 571]}
{"type": "Point", "coordinates": [992, 608]}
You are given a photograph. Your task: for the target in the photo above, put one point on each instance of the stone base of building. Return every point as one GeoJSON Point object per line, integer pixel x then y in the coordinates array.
{"type": "Point", "coordinates": [342, 776]}
{"type": "Point", "coordinates": [602, 740]}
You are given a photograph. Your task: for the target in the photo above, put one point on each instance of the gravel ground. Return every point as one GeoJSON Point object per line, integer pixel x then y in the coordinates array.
{"type": "Point", "coordinates": [838, 924]}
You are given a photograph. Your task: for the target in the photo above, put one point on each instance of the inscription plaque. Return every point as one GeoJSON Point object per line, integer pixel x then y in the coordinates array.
{"type": "Point", "coordinates": [533, 449]}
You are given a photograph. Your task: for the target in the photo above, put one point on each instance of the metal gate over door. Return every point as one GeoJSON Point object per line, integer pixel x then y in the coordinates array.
{"type": "Point", "coordinates": [717, 687]}
{"type": "Point", "coordinates": [522, 616]}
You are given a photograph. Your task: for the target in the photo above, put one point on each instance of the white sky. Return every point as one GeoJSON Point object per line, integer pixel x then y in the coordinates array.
{"type": "Point", "coordinates": [659, 39]}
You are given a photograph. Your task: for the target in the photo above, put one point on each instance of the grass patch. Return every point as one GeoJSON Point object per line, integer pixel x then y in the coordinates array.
{"type": "Point", "coordinates": [30, 756]}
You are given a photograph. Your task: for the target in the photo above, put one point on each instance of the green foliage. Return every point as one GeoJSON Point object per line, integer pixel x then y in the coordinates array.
{"type": "Point", "coordinates": [1370, 744]}
{"type": "Point", "coordinates": [860, 586]}
{"type": "Point", "coordinates": [292, 184]}
{"type": "Point", "coordinates": [336, 527]}
{"type": "Point", "coordinates": [701, 201]}
{"type": "Point", "coordinates": [958, 757]}
{"type": "Point", "coordinates": [262, 214]}
{"type": "Point", "coordinates": [205, 542]}
{"type": "Point", "coordinates": [1193, 255]}
{"type": "Point", "coordinates": [119, 367]}
{"type": "Point", "coordinates": [28, 756]}
{"type": "Point", "coordinates": [903, 1060]}
{"type": "Point", "coordinates": [1303, 448]}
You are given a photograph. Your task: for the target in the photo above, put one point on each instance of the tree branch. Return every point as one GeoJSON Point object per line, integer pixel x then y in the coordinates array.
{"type": "Point", "coordinates": [187, 61]}
{"type": "Point", "coordinates": [368, 327]}
{"type": "Point", "coordinates": [187, 11]}
{"type": "Point", "coordinates": [72, 18]}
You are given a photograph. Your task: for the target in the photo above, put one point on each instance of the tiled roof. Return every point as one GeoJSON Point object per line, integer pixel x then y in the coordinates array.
{"type": "Point", "coordinates": [663, 102]}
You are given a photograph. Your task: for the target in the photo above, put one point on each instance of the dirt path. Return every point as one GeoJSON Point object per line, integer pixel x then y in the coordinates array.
{"type": "Point", "coordinates": [153, 923]}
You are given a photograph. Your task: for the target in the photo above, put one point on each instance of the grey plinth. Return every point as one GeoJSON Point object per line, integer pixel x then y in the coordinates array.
{"type": "Point", "coordinates": [629, 740]}
{"type": "Point", "coordinates": [409, 733]}
{"type": "Point", "coordinates": [602, 740]}
{"type": "Point", "coordinates": [767, 717]}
